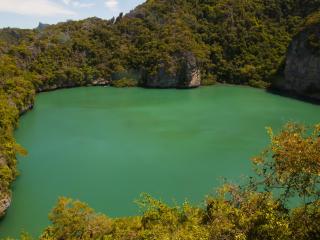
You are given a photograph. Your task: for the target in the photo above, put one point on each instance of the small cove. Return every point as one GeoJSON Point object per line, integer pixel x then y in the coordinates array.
{"type": "Point", "coordinates": [105, 146]}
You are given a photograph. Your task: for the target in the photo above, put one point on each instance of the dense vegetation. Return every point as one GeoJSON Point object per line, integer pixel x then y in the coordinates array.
{"type": "Point", "coordinates": [233, 41]}
{"type": "Point", "coordinates": [241, 42]}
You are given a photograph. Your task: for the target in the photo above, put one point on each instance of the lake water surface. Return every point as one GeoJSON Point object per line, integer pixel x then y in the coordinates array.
{"type": "Point", "coordinates": [105, 146]}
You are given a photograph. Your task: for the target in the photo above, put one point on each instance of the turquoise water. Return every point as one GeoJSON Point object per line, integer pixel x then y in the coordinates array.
{"type": "Point", "coordinates": [105, 146]}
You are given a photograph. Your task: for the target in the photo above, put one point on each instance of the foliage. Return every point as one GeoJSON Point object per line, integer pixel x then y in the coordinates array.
{"type": "Point", "coordinates": [304, 222]}
{"type": "Point", "coordinates": [240, 42]}
{"type": "Point", "coordinates": [124, 82]}
{"type": "Point", "coordinates": [75, 220]}
{"type": "Point", "coordinates": [291, 164]}
{"type": "Point", "coordinates": [233, 41]}
{"type": "Point", "coordinates": [247, 215]}
{"type": "Point", "coordinates": [16, 95]}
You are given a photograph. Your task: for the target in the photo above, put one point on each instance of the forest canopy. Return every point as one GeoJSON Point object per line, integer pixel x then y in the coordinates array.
{"type": "Point", "coordinates": [229, 41]}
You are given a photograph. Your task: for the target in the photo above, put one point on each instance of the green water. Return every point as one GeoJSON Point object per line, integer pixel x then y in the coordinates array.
{"type": "Point", "coordinates": [105, 146]}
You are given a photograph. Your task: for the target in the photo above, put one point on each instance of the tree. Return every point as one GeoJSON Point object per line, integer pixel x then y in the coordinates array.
{"type": "Point", "coordinates": [291, 163]}
{"type": "Point", "coordinates": [75, 220]}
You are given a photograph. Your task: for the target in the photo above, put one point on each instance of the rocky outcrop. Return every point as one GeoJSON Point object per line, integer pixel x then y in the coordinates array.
{"type": "Point", "coordinates": [100, 82]}
{"type": "Point", "coordinates": [5, 202]}
{"type": "Point", "coordinates": [185, 73]}
{"type": "Point", "coordinates": [3, 161]}
{"type": "Point", "coordinates": [26, 108]}
{"type": "Point", "coordinates": [189, 75]}
{"type": "Point", "coordinates": [70, 84]}
{"type": "Point", "coordinates": [42, 26]}
{"type": "Point", "coordinates": [161, 79]}
{"type": "Point", "coordinates": [51, 87]}
{"type": "Point", "coordinates": [5, 199]}
{"type": "Point", "coordinates": [302, 70]}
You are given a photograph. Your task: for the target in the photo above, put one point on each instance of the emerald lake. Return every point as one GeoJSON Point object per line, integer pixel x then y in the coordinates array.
{"type": "Point", "coordinates": [105, 146]}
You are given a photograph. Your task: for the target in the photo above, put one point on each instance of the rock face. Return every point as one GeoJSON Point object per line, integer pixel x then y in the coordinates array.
{"type": "Point", "coordinates": [70, 84]}
{"type": "Point", "coordinates": [302, 71]}
{"type": "Point", "coordinates": [100, 82]}
{"type": "Point", "coordinates": [5, 202]}
{"type": "Point", "coordinates": [189, 75]}
{"type": "Point", "coordinates": [162, 79]}
{"type": "Point", "coordinates": [185, 74]}
{"type": "Point", "coordinates": [3, 161]}
{"type": "Point", "coordinates": [5, 199]}
{"type": "Point", "coordinates": [26, 108]}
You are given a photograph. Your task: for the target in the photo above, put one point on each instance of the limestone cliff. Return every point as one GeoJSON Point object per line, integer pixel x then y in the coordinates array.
{"type": "Point", "coordinates": [5, 198]}
{"type": "Point", "coordinates": [70, 84]}
{"type": "Point", "coordinates": [302, 70]}
{"type": "Point", "coordinates": [183, 73]}
{"type": "Point", "coordinates": [5, 202]}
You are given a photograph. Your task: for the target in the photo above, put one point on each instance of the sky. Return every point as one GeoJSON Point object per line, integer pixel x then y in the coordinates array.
{"type": "Point", "coordinates": [28, 13]}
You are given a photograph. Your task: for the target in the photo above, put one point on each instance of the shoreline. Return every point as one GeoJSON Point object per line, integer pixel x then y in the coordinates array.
{"type": "Point", "coordinates": [107, 84]}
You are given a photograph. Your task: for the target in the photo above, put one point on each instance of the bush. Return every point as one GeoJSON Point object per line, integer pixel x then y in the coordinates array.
{"type": "Point", "coordinates": [124, 82]}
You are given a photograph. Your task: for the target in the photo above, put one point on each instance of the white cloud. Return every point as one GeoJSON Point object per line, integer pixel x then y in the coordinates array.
{"type": "Point", "coordinates": [34, 7]}
{"type": "Point", "coordinates": [78, 4]}
{"type": "Point", "coordinates": [82, 5]}
{"type": "Point", "coordinates": [67, 2]}
{"type": "Point", "coordinates": [112, 4]}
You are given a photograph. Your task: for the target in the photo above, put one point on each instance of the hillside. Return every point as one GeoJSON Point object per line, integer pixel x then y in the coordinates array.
{"type": "Point", "coordinates": [302, 72]}
{"type": "Point", "coordinates": [162, 44]}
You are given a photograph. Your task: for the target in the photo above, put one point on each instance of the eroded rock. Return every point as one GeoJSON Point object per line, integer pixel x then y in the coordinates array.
{"type": "Point", "coordinates": [5, 202]}
{"type": "Point", "coordinates": [184, 73]}
{"type": "Point", "coordinates": [302, 71]}
{"type": "Point", "coordinates": [3, 161]}
{"type": "Point", "coordinates": [189, 75]}
{"type": "Point", "coordinates": [100, 82]}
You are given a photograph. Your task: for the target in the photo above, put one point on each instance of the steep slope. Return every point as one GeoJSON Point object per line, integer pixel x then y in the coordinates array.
{"type": "Point", "coordinates": [302, 71]}
{"type": "Point", "coordinates": [168, 44]}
